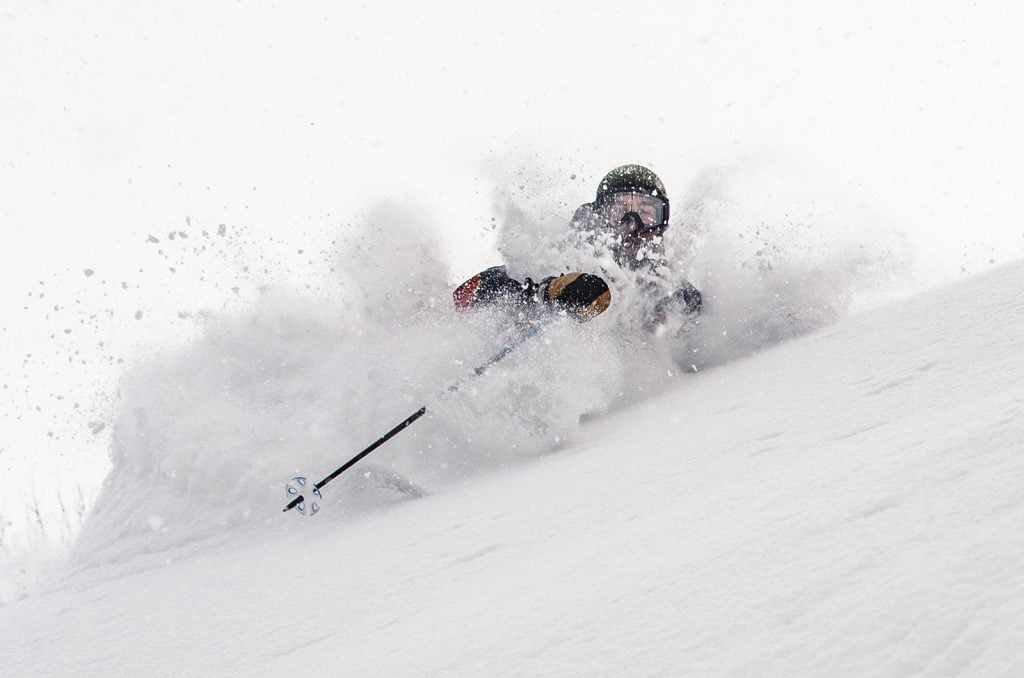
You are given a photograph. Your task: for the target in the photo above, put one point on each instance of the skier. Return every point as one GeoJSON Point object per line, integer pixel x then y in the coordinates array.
{"type": "Point", "coordinates": [628, 218]}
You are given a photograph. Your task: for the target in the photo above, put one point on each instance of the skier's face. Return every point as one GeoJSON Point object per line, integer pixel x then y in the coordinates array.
{"type": "Point", "coordinates": [638, 224]}
{"type": "Point", "coordinates": [636, 243]}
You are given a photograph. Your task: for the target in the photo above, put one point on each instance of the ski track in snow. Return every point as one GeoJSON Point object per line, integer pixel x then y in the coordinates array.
{"type": "Point", "coordinates": [847, 503]}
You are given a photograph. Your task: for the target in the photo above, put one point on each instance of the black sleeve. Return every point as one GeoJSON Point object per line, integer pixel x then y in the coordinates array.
{"type": "Point", "coordinates": [493, 286]}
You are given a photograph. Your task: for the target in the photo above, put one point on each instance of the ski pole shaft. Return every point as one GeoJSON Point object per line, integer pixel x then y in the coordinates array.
{"type": "Point", "coordinates": [530, 331]}
{"type": "Point", "coordinates": [351, 462]}
{"type": "Point", "coordinates": [526, 334]}
{"type": "Point", "coordinates": [408, 421]}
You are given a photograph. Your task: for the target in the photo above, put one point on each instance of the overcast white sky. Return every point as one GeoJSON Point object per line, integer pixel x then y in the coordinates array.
{"type": "Point", "coordinates": [121, 120]}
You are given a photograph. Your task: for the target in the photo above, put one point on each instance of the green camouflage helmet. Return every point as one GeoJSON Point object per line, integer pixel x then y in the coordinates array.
{"type": "Point", "coordinates": [636, 178]}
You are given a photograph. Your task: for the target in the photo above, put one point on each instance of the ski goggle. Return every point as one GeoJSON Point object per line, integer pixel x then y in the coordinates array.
{"type": "Point", "coordinates": [650, 208]}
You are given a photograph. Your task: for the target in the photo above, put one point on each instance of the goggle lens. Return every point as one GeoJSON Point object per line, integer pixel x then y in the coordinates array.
{"type": "Point", "coordinates": [650, 209]}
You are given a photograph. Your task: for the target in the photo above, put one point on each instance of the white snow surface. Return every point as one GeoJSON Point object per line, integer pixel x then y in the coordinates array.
{"type": "Point", "coordinates": [845, 502]}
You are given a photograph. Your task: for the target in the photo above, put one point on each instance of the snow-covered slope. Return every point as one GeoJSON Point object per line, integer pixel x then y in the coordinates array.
{"type": "Point", "coordinates": [846, 503]}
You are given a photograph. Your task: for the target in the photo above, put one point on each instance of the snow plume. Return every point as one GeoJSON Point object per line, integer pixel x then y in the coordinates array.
{"type": "Point", "coordinates": [208, 433]}
{"type": "Point", "coordinates": [391, 266]}
{"type": "Point", "coordinates": [775, 252]}
{"type": "Point", "coordinates": [777, 255]}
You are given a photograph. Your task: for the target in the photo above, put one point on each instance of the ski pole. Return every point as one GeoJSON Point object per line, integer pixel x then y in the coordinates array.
{"type": "Point", "coordinates": [530, 331]}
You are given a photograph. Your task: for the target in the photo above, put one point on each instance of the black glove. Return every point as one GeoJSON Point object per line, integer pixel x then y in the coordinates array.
{"type": "Point", "coordinates": [690, 296]}
{"type": "Point", "coordinates": [686, 300]}
{"type": "Point", "coordinates": [581, 295]}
